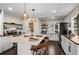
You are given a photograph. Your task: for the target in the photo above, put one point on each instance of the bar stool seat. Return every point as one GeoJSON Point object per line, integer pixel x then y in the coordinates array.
{"type": "Point", "coordinates": [42, 47]}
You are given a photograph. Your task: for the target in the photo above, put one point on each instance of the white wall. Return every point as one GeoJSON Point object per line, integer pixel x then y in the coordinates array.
{"type": "Point", "coordinates": [50, 22]}
{"type": "Point", "coordinates": [26, 26]}
{"type": "Point", "coordinates": [71, 16]}
{"type": "Point", "coordinates": [1, 22]}
{"type": "Point", "coordinates": [8, 18]}
{"type": "Point", "coordinates": [37, 26]}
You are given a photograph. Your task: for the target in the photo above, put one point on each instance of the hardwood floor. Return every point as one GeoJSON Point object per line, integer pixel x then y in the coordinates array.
{"type": "Point", "coordinates": [12, 51]}
{"type": "Point", "coordinates": [53, 49]}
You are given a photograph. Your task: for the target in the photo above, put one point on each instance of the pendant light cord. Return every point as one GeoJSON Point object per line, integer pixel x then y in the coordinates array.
{"type": "Point", "coordinates": [33, 11]}
{"type": "Point", "coordinates": [25, 7]}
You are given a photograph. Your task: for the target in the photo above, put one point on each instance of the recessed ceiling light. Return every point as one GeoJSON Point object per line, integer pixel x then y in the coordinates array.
{"type": "Point", "coordinates": [10, 8]}
{"type": "Point", "coordinates": [54, 11]}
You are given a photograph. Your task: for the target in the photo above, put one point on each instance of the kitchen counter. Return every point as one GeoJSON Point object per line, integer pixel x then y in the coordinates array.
{"type": "Point", "coordinates": [23, 39]}
{"type": "Point", "coordinates": [70, 45]}
{"type": "Point", "coordinates": [74, 39]}
{"type": "Point", "coordinates": [24, 43]}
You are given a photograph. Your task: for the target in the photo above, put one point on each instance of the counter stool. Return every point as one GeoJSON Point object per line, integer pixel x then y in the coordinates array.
{"type": "Point", "coordinates": [41, 49]}
{"type": "Point", "coordinates": [34, 49]}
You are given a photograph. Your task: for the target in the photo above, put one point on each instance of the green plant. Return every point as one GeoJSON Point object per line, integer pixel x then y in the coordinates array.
{"type": "Point", "coordinates": [72, 35]}
{"type": "Point", "coordinates": [77, 21]}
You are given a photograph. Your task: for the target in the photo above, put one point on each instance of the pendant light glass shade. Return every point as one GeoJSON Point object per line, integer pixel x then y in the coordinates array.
{"type": "Point", "coordinates": [24, 16]}
{"type": "Point", "coordinates": [33, 18]}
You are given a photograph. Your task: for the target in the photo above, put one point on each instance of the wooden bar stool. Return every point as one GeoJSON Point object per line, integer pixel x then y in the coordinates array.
{"type": "Point", "coordinates": [34, 49]}
{"type": "Point", "coordinates": [39, 48]}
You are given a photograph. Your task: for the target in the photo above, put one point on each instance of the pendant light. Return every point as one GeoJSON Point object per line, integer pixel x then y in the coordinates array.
{"type": "Point", "coordinates": [33, 17]}
{"type": "Point", "coordinates": [24, 16]}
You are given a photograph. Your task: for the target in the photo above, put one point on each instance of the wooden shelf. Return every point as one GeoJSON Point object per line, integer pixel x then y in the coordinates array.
{"type": "Point", "coordinates": [9, 25]}
{"type": "Point", "coordinates": [19, 28]}
{"type": "Point", "coordinates": [44, 25]}
{"type": "Point", "coordinates": [44, 28]}
{"type": "Point", "coordinates": [12, 24]}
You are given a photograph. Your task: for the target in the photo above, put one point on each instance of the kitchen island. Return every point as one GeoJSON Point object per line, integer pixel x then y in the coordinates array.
{"type": "Point", "coordinates": [24, 43]}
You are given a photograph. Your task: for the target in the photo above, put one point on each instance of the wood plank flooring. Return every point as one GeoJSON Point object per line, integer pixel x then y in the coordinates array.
{"type": "Point", "coordinates": [53, 49]}
{"type": "Point", "coordinates": [12, 51]}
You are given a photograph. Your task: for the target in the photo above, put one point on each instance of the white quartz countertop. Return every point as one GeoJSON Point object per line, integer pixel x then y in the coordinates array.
{"type": "Point", "coordinates": [75, 39]}
{"type": "Point", "coordinates": [25, 39]}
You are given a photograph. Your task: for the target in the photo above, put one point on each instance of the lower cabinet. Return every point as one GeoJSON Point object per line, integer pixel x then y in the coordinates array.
{"type": "Point", "coordinates": [64, 44]}
{"type": "Point", "coordinates": [68, 46]}
{"type": "Point", "coordinates": [72, 48]}
{"type": "Point", "coordinates": [53, 36]}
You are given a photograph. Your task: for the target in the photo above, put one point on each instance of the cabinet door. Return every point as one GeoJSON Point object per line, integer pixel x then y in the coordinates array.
{"type": "Point", "coordinates": [72, 48]}
{"type": "Point", "coordinates": [53, 37]}
{"type": "Point", "coordinates": [68, 46]}
{"type": "Point", "coordinates": [64, 44]}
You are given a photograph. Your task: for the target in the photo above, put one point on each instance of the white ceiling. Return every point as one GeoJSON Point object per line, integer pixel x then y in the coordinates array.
{"type": "Point", "coordinates": [41, 9]}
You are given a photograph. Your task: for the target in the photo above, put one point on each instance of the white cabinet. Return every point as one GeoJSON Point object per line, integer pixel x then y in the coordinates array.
{"type": "Point", "coordinates": [5, 45]}
{"type": "Point", "coordinates": [53, 36]}
{"type": "Point", "coordinates": [64, 44]}
{"type": "Point", "coordinates": [72, 48]}
{"type": "Point", "coordinates": [69, 47]}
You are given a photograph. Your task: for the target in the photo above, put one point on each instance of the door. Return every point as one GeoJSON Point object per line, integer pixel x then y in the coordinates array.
{"type": "Point", "coordinates": [63, 30]}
